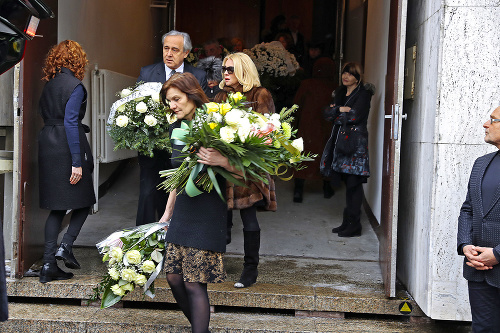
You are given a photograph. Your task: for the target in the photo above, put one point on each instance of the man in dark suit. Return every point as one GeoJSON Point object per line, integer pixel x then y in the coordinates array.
{"type": "Point", "coordinates": [479, 234]}
{"type": "Point", "coordinates": [176, 47]}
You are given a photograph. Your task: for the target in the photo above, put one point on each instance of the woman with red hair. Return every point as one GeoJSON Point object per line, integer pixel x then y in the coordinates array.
{"type": "Point", "coordinates": [64, 157]}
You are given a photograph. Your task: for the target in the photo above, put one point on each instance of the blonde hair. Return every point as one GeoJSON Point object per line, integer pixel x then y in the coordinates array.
{"type": "Point", "coordinates": [244, 70]}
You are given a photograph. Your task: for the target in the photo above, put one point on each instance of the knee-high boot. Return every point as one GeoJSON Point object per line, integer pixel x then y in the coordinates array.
{"type": "Point", "coordinates": [251, 259]}
{"type": "Point", "coordinates": [343, 225]}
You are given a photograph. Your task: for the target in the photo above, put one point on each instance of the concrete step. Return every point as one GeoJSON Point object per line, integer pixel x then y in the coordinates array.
{"type": "Point", "coordinates": [29, 317]}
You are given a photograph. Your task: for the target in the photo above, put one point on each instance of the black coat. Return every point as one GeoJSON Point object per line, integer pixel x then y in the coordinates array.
{"type": "Point", "coordinates": [333, 160]}
{"type": "Point", "coordinates": [54, 156]}
{"type": "Point", "coordinates": [480, 227]}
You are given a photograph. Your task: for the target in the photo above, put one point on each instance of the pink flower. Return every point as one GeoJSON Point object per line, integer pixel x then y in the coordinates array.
{"type": "Point", "coordinates": [267, 129]}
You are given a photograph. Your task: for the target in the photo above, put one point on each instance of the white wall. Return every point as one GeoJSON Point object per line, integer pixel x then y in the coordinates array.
{"type": "Point", "coordinates": [377, 33]}
{"type": "Point", "coordinates": [456, 86]}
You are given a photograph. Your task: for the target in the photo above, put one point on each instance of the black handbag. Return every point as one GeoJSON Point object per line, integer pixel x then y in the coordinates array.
{"type": "Point", "coordinates": [348, 140]}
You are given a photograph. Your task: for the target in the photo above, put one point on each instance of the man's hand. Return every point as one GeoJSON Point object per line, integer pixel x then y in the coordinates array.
{"type": "Point", "coordinates": [486, 256]}
{"type": "Point", "coordinates": [480, 258]}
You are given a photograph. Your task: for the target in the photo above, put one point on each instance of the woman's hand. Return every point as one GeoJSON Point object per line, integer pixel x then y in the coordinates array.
{"type": "Point", "coordinates": [211, 156]}
{"type": "Point", "coordinates": [344, 109]}
{"type": "Point", "coordinates": [76, 175]}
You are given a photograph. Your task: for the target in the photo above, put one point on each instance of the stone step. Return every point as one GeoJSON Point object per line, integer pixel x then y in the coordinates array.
{"type": "Point", "coordinates": [260, 295]}
{"type": "Point", "coordinates": [29, 317]}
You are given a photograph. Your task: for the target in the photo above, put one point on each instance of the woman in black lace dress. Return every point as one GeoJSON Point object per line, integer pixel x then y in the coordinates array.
{"type": "Point", "coordinates": [196, 238]}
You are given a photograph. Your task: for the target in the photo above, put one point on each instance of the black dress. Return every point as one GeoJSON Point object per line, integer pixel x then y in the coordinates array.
{"type": "Point", "coordinates": [54, 155]}
{"type": "Point", "coordinates": [198, 231]}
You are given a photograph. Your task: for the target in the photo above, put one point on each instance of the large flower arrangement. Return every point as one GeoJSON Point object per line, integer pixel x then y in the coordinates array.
{"type": "Point", "coordinates": [139, 121]}
{"type": "Point", "coordinates": [254, 143]}
{"type": "Point", "coordinates": [135, 258]}
{"type": "Point", "coordinates": [278, 69]}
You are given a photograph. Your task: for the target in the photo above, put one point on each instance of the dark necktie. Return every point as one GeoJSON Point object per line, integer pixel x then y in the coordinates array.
{"type": "Point", "coordinates": [172, 73]}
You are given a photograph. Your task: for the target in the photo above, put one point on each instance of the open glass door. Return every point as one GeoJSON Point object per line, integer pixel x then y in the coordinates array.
{"type": "Point", "coordinates": [392, 143]}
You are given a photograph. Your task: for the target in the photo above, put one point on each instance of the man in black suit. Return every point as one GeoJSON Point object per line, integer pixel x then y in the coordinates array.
{"type": "Point", "coordinates": [176, 47]}
{"type": "Point", "coordinates": [479, 234]}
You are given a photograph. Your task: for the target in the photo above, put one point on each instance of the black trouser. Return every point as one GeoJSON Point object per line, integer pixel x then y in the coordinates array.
{"type": "Point", "coordinates": [485, 307]}
{"type": "Point", "coordinates": [152, 201]}
{"type": "Point", "coordinates": [354, 195]}
{"type": "Point", "coordinates": [53, 226]}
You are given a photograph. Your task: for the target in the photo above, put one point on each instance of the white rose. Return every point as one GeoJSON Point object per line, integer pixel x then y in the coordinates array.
{"type": "Point", "coordinates": [128, 274]}
{"type": "Point", "coordinates": [227, 134]}
{"type": "Point", "coordinates": [141, 107]}
{"type": "Point", "coordinates": [244, 129]}
{"type": "Point", "coordinates": [150, 120]}
{"type": "Point", "coordinates": [128, 287]}
{"type": "Point", "coordinates": [155, 97]}
{"type": "Point", "coordinates": [117, 290]}
{"type": "Point", "coordinates": [275, 120]}
{"type": "Point", "coordinates": [148, 266]}
{"type": "Point", "coordinates": [133, 257]}
{"type": "Point", "coordinates": [122, 121]}
{"type": "Point", "coordinates": [116, 253]}
{"type": "Point", "coordinates": [140, 280]}
{"type": "Point", "coordinates": [233, 117]}
{"type": "Point", "coordinates": [114, 273]}
{"type": "Point", "coordinates": [298, 144]}
{"type": "Point", "coordinates": [125, 92]}
{"type": "Point", "coordinates": [217, 117]}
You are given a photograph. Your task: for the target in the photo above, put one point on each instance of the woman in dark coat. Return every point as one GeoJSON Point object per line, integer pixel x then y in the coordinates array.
{"type": "Point", "coordinates": [345, 156]}
{"type": "Point", "coordinates": [312, 97]}
{"type": "Point", "coordinates": [64, 156]}
{"type": "Point", "coordinates": [240, 75]}
{"type": "Point", "coordinates": [196, 238]}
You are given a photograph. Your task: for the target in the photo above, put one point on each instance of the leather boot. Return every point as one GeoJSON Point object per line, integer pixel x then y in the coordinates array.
{"type": "Point", "coordinates": [343, 225]}
{"type": "Point", "coordinates": [65, 253]}
{"type": "Point", "coordinates": [251, 259]}
{"type": "Point", "coordinates": [298, 189]}
{"type": "Point", "coordinates": [352, 229]}
{"type": "Point", "coordinates": [50, 271]}
{"type": "Point", "coordinates": [229, 226]}
{"type": "Point", "coordinates": [328, 191]}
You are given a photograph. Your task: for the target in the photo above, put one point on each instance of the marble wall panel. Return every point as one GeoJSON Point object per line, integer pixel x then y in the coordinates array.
{"type": "Point", "coordinates": [472, 3]}
{"type": "Point", "coordinates": [469, 72]}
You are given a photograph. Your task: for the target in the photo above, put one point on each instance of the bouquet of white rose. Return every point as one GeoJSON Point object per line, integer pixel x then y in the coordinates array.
{"type": "Point", "coordinates": [139, 120]}
{"type": "Point", "coordinates": [254, 143]}
{"type": "Point", "coordinates": [135, 258]}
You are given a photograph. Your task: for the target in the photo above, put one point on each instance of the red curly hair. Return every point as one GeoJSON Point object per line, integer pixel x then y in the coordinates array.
{"type": "Point", "coordinates": [68, 54]}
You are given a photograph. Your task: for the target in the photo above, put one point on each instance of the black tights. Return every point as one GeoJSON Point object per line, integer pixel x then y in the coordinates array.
{"type": "Point", "coordinates": [248, 217]}
{"type": "Point", "coordinates": [192, 298]}
{"type": "Point", "coordinates": [53, 226]}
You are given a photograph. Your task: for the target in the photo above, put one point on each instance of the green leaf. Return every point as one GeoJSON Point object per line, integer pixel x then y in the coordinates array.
{"type": "Point", "coordinates": [109, 298]}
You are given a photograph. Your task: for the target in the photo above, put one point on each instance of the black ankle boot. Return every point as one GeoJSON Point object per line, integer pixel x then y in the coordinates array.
{"type": "Point", "coordinates": [50, 271]}
{"type": "Point", "coordinates": [328, 191]}
{"type": "Point", "coordinates": [65, 253]}
{"type": "Point", "coordinates": [298, 190]}
{"type": "Point", "coordinates": [352, 229]}
{"type": "Point", "coordinates": [228, 236]}
{"type": "Point", "coordinates": [250, 272]}
{"type": "Point", "coordinates": [343, 225]}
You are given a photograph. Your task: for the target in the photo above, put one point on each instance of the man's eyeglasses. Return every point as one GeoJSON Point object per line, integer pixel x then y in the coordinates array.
{"type": "Point", "coordinates": [230, 69]}
{"type": "Point", "coordinates": [493, 121]}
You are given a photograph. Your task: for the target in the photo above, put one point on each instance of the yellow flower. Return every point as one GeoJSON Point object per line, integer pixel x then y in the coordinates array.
{"type": "Point", "coordinates": [212, 125]}
{"type": "Point", "coordinates": [237, 97]}
{"type": "Point", "coordinates": [287, 130]}
{"type": "Point", "coordinates": [276, 144]}
{"type": "Point", "coordinates": [212, 107]}
{"type": "Point", "coordinates": [225, 108]}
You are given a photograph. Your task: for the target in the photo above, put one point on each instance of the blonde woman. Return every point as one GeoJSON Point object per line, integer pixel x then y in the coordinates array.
{"type": "Point", "coordinates": [240, 75]}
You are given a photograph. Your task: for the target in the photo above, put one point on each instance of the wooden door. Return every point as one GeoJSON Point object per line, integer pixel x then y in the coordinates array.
{"type": "Point", "coordinates": [392, 143]}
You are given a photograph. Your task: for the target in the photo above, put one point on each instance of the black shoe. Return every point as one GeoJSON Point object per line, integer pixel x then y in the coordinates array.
{"type": "Point", "coordinates": [65, 253]}
{"type": "Point", "coordinates": [298, 190]}
{"type": "Point", "coordinates": [50, 271]}
{"type": "Point", "coordinates": [328, 191]}
{"type": "Point", "coordinates": [353, 229]}
{"type": "Point", "coordinates": [344, 224]}
{"type": "Point", "coordinates": [248, 277]}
